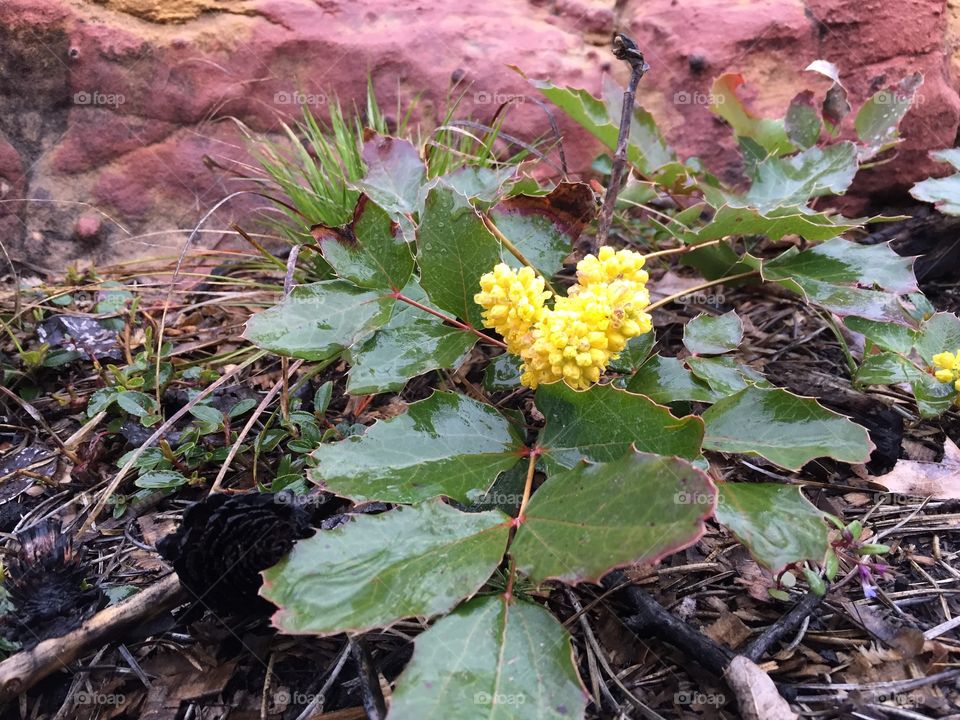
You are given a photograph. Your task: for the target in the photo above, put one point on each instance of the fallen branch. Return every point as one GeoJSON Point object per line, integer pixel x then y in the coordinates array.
{"type": "Point", "coordinates": [20, 672]}
{"type": "Point", "coordinates": [786, 625]}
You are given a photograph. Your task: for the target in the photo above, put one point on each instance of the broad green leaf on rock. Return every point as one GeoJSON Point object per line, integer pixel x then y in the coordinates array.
{"type": "Point", "coordinates": [370, 251]}
{"type": "Point", "coordinates": [480, 183]}
{"type": "Point", "coordinates": [943, 192]}
{"type": "Point", "coordinates": [544, 227]}
{"type": "Point", "coordinates": [770, 134]}
{"type": "Point", "coordinates": [394, 175]}
{"type": "Point", "coordinates": [939, 333]}
{"type": "Point", "coordinates": [786, 429]}
{"type": "Point", "coordinates": [665, 379]}
{"type": "Point", "coordinates": [887, 368]}
{"type": "Point", "coordinates": [713, 334]}
{"type": "Point", "coordinates": [411, 344]}
{"type": "Point", "coordinates": [842, 262]}
{"type": "Point", "coordinates": [602, 422]}
{"type": "Point", "coordinates": [502, 373]}
{"type": "Point", "coordinates": [774, 224]}
{"type": "Point", "coordinates": [455, 250]}
{"type": "Point", "coordinates": [793, 180]}
{"type": "Point", "coordinates": [635, 354]}
{"type": "Point", "coordinates": [410, 562]}
{"type": "Point", "coordinates": [447, 445]}
{"type": "Point", "coordinates": [595, 116]}
{"type": "Point", "coordinates": [583, 522]}
{"type": "Point", "coordinates": [776, 523]}
{"type": "Point", "coordinates": [491, 660]}
{"type": "Point", "coordinates": [802, 122]}
{"type": "Point", "coordinates": [877, 121]}
{"type": "Point", "coordinates": [885, 335]}
{"type": "Point", "coordinates": [725, 375]}
{"type": "Point", "coordinates": [319, 320]}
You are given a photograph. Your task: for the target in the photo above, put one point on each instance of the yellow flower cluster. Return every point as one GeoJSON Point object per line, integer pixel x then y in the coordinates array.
{"type": "Point", "coordinates": [947, 368]}
{"type": "Point", "coordinates": [576, 339]}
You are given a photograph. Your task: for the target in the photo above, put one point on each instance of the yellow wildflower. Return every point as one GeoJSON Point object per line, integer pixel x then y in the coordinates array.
{"type": "Point", "coordinates": [576, 339]}
{"type": "Point", "coordinates": [947, 368]}
{"type": "Point", "coordinates": [513, 302]}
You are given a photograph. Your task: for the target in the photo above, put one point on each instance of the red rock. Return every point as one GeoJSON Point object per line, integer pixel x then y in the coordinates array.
{"type": "Point", "coordinates": [116, 103]}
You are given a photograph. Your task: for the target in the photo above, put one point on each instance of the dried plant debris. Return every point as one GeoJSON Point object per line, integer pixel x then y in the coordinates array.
{"type": "Point", "coordinates": [225, 541]}
{"type": "Point", "coordinates": [48, 584]}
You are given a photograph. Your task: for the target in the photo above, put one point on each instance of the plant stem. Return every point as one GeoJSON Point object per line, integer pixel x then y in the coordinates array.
{"type": "Point", "coordinates": [624, 49]}
{"type": "Point", "coordinates": [696, 288]}
{"type": "Point", "coordinates": [682, 249]}
{"type": "Point", "coordinates": [515, 251]}
{"type": "Point", "coordinates": [397, 295]}
{"type": "Point", "coordinates": [528, 485]}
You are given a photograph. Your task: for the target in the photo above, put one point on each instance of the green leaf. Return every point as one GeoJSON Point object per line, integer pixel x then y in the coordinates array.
{"type": "Point", "coordinates": [377, 569]}
{"type": "Point", "coordinates": [394, 175]}
{"type": "Point", "coordinates": [939, 333]}
{"type": "Point", "coordinates": [944, 192]}
{"type": "Point", "coordinates": [137, 404]}
{"type": "Point", "coordinates": [795, 179]}
{"type": "Point", "coordinates": [544, 227]}
{"type": "Point", "coordinates": [665, 379]}
{"type": "Point", "coordinates": [887, 369]}
{"type": "Point", "coordinates": [411, 344]}
{"type": "Point", "coordinates": [877, 121]}
{"type": "Point", "coordinates": [802, 122]}
{"type": "Point", "coordinates": [583, 522]}
{"type": "Point", "coordinates": [635, 354]}
{"type": "Point", "coordinates": [161, 480]}
{"type": "Point", "coordinates": [786, 429]}
{"type": "Point", "coordinates": [455, 249]}
{"type": "Point", "coordinates": [713, 334]}
{"type": "Point", "coordinates": [933, 397]}
{"type": "Point", "coordinates": [842, 262]}
{"type": "Point", "coordinates": [502, 373]}
{"type": "Point", "coordinates": [776, 523]}
{"type": "Point", "coordinates": [646, 149]}
{"type": "Point", "coordinates": [725, 375]}
{"type": "Point", "coordinates": [491, 660]}
{"type": "Point", "coordinates": [775, 224]}
{"type": "Point", "coordinates": [447, 445]}
{"type": "Point", "coordinates": [885, 335]}
{"type": "Point", "coordinates": [770, 134]}
{"type": "Point", "coordinates": [370, 251]}
{"type": "Point", "coordinates": [319, 320]}
{"type": "Point", "coordinates": [603, 422]}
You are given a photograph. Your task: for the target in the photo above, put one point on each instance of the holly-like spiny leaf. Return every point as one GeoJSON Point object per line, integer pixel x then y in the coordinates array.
{"type": "Point", "coordinates": [713, 334]}
{"type": "Point", "coordinates": [394, 174]}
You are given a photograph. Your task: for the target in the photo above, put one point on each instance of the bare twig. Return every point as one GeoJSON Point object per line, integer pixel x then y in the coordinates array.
{"type": "Point", "coordinates": [624, 49]}
{"type": "Point", "coordinates": [787, 624]}
{"type": "Point", "coordinates": [20, 672]}
{"type": "Point", "coordinates": [373, 703]}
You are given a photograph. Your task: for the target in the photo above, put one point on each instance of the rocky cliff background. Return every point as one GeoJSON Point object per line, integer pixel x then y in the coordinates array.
{"type": "Point", "coordinates": [117, 117]}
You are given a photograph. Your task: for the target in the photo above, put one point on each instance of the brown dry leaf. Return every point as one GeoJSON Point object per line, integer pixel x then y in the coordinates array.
{"type": "Point", "coordinates": [940, 480]}
{"type": "Point", "coordinates": [906, 640]}
{"type": "Point", "coordinates": [757, 696]}
{"type": "Point", "coordinates": [728, 630]}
